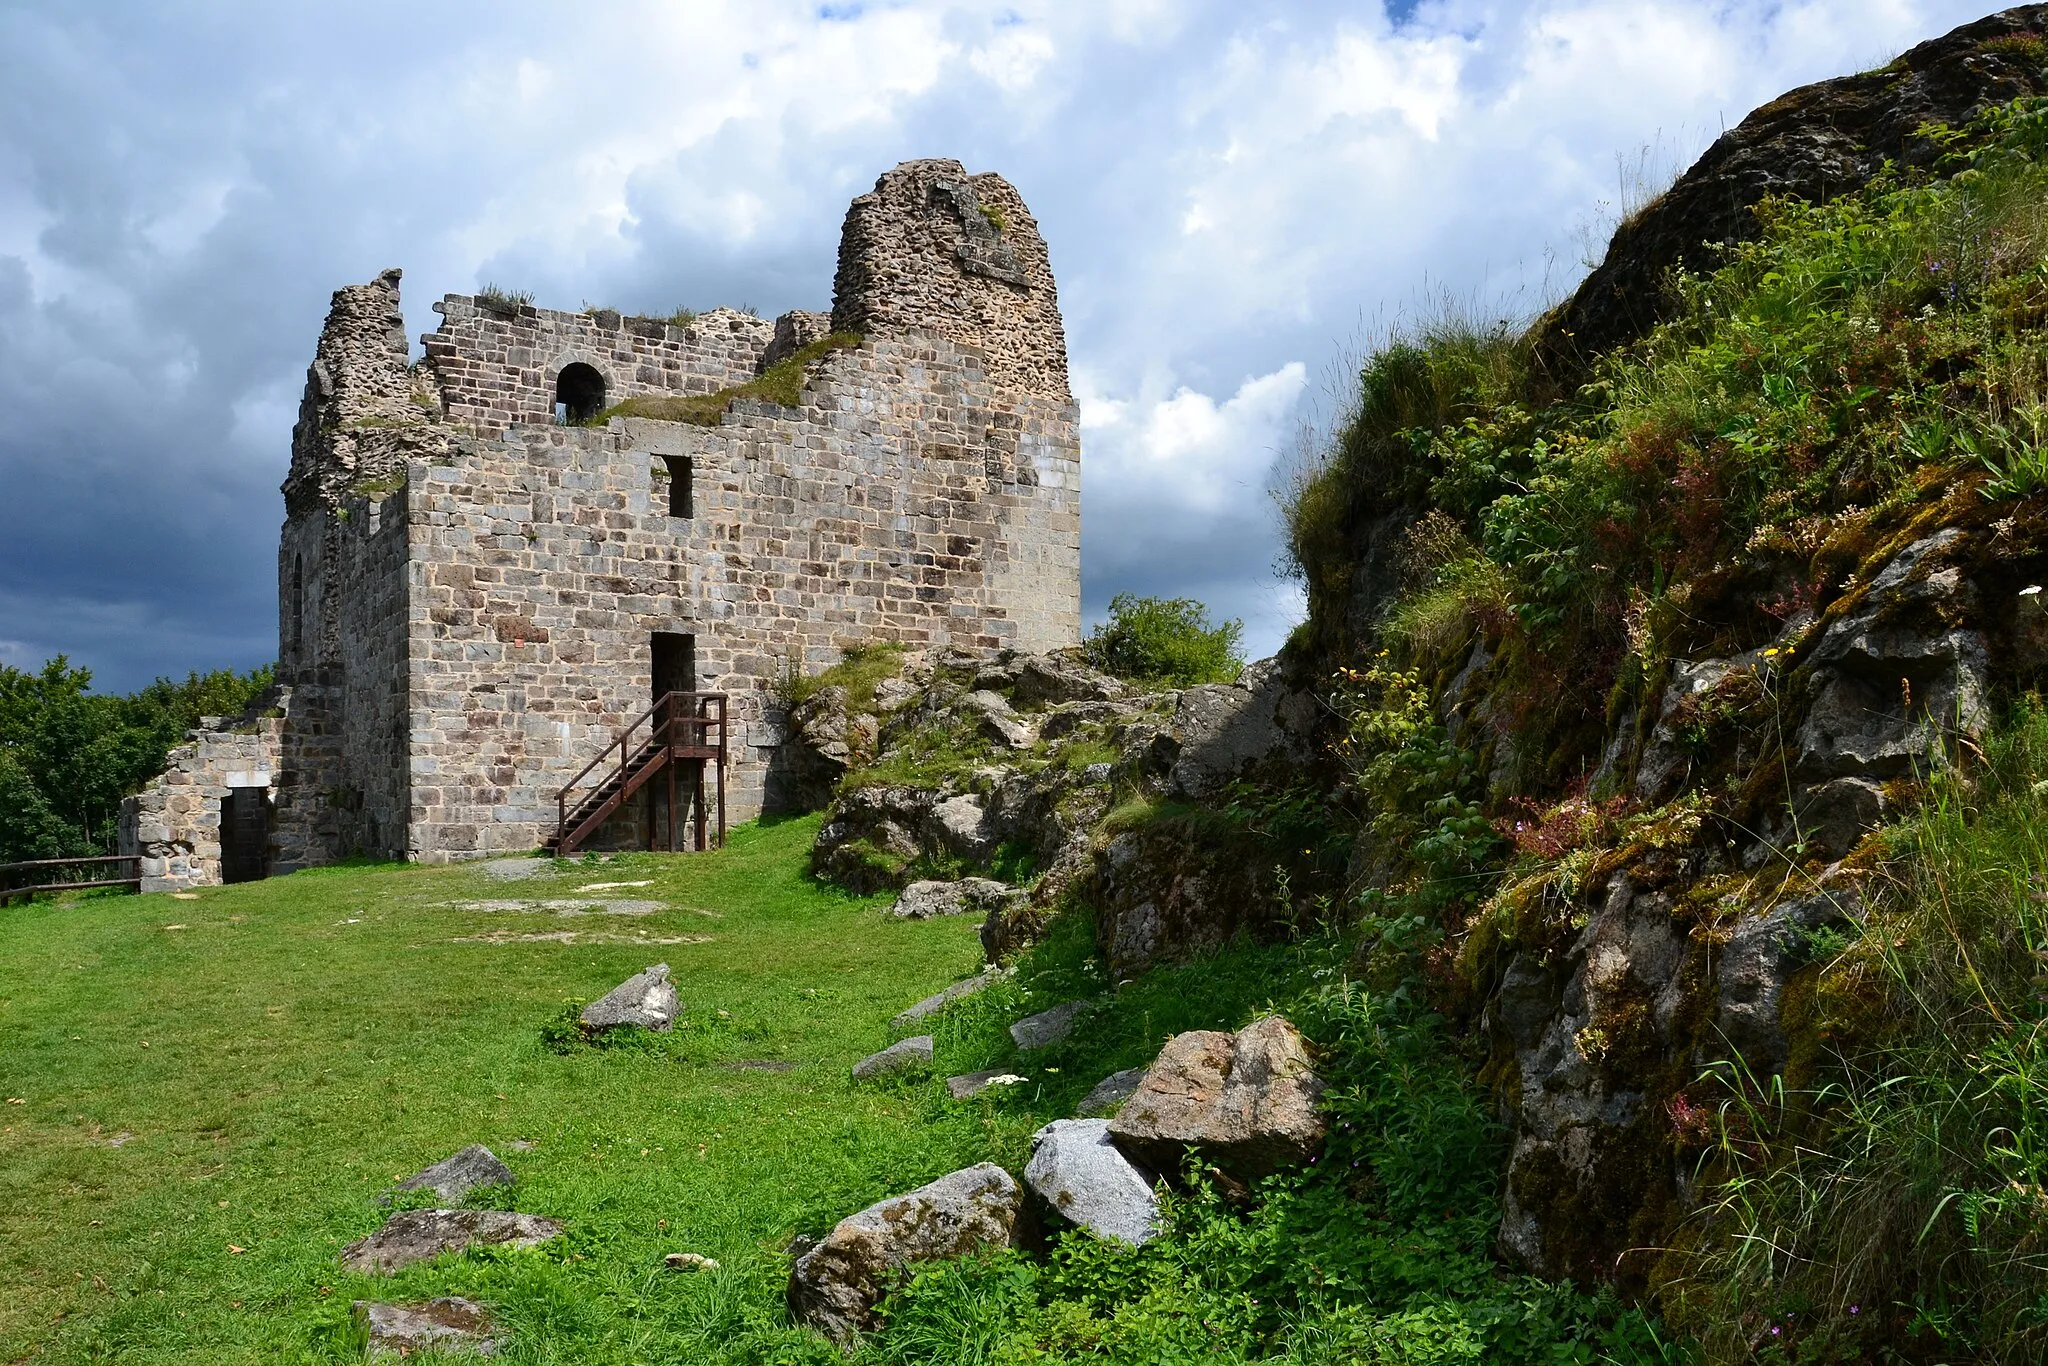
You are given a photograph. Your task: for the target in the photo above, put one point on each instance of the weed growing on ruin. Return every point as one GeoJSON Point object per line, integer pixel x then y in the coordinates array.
{"type": "Point", "coordinates": [504, 302]}
{"type": "Point", "coordinates": [782, 383]}
{"type": "Point", "coordinates": [859, 670]}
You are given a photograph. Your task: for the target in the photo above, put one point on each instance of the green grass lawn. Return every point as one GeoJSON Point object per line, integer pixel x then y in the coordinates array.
{"type": "Point", "coordinates": [205, 1098]}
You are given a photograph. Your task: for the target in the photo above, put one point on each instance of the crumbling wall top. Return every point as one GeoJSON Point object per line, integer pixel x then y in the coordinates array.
{"type": "Point", "coordinates": [934, 247]}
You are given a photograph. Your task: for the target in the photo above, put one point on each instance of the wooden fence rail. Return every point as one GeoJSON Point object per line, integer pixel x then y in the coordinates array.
{"type": "Point", "coordinates": [24, 880]}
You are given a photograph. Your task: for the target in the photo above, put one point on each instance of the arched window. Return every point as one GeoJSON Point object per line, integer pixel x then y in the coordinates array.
{"type": "Point", "coordinates": [579, 394]}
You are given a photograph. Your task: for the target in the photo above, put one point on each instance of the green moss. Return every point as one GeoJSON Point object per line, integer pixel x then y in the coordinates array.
{"type": "Point", "coordinates": [781, 383]}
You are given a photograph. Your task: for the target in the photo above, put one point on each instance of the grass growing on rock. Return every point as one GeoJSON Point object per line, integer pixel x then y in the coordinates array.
{"type": "Point", "coordinates": [782, 382]}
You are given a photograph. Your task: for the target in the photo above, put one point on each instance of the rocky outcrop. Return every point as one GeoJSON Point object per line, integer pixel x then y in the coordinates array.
{"type": "Point", "coordinates": [1246, 729]}
{"type": "Point", "coordinates": [1162, 892]}
{"type": "Point", "coordinates": [1599, 1033]}
{"type": "Point", "coordinates": [1080, 1175]}
{"type": "Point", "coordinates": [417, 1235]}
{"type": "Point", "coordinates": [1245, 1102]}
{"type": "Point", "coordinates": [835, 1286]}
{"type": "Point", "coordinates": [1819, 141]}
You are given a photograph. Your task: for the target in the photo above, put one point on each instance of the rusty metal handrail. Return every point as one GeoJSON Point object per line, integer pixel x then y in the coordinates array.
{"type": "Point", "coordinates": [682, 712]}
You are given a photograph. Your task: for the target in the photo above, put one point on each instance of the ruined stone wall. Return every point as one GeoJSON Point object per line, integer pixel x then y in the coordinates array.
{"type": "Point", "coordinates": [467, 592]}
{"type": "Point", "coordinates": [932, 248]}
{"type": "Point", "coordinates": [175, 823]}
{"type": "Point", "coordinates": [496, 368]}
{"type": "Point", "coordinates": [888, 507]}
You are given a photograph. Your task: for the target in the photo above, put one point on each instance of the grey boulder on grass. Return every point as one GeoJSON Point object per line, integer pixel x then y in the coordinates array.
{"type": "Point", "coordinates": [452, 1178]}
{"type": "Point", "coordinates": [837, 1282]}
{"type": "Point", "coordinates": [1087, 1180]}
{"type": "Point", "coordinates": [1047, 1027]}
{"type": "Point", "coordinates": [449, 1324]}
{"type": "Point", "coordinates": [416, 1235]}
{"type": "Point", "coordinates": [646, 999]}
{"type": "Point", "coordinates": [909, 1055]}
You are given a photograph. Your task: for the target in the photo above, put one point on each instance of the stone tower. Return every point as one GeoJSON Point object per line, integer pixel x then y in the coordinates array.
{"type": "Point", "coordinates": [493, 558]}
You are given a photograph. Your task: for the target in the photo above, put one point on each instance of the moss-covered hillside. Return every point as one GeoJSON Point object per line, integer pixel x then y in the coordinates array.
{"type": "Point", "coordinates": [1691, 722]}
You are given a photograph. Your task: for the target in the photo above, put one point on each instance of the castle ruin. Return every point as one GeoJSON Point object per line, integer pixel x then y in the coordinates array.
{"type": "Point", "coordinates": [494, 559]}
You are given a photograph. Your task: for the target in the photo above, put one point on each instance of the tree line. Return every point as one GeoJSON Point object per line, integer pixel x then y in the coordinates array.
{"type": "Point", "coordinates": [69, 755]}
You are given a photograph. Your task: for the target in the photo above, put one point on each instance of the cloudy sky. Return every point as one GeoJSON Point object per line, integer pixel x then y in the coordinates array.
{"type": "Point", "coordinates": [1238, 198]}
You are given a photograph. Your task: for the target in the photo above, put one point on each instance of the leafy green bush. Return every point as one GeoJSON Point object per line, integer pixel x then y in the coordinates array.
{"type": "Point", "coordinates": [68, 755]}
{"type": "Point", "coordinates": [1165, 640]}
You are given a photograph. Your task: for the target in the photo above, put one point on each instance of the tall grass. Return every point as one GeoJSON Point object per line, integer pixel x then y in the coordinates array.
{"type": "Point", "coordinates": [1900, 1203]}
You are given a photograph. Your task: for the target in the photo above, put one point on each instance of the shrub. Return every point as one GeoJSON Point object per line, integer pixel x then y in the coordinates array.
{"type": "Point", "coordinates": [1165, 640]}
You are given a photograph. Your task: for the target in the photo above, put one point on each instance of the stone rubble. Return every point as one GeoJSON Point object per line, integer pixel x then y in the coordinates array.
{"type": "Point", "coordinates": [646, 1000]}
{"type": "Point", "coordinates": [835, 1285]}
{"type": "Point", "coordinates": [907, 1055]}
{"type": "Point", "coordinates": [420, 1234]}
{"type": "Point", "coordinates": [1047, 1027]}
{"type": "Point", "coordinates": [1086, 1179]}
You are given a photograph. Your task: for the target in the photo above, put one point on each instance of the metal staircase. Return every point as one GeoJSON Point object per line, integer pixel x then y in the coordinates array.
{"type": "Point", "coordinates": [681, 738]}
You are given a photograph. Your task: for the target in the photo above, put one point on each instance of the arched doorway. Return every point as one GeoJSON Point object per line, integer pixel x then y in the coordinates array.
{"type": "Point", "coordinates": [579, 394]}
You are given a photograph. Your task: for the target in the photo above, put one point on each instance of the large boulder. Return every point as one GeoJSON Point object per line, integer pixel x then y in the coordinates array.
{"type": "Point", "coordinates": [419, 1234]}
{"type": "Point", "coordinates": [646, 999]}
{"type": "Point", "coordinates": [452, 1178]}
{"type": "Point", "coordinates": [835, 1286]}
{"type": "Point", "coordinates": [1256, 726]}
{"type": "Point", "coordinates": [447, 1325]}
{"type": "Point", "coordinates": [906, 1055]}
{"type": "Point", "coordinates": [1086, 1179]}
{"type": "Point", "coordinates": [967, 896]}
{"type": "Point", "coordinates": [1246, 1102]}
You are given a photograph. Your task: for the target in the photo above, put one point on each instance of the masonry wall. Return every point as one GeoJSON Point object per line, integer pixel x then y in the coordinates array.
{"type": "Point", "coordinates": [887, 507]}
{"type": "Point", "coordinates": [174, 824]}
{"type": "Point", "coordinates": [496, 367]}
{"type": "Point", "coordinates": [468, 593]}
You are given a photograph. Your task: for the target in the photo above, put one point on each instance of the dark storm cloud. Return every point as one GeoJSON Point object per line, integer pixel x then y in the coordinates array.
{"type": "Point", "coordinates": [1227, 190]}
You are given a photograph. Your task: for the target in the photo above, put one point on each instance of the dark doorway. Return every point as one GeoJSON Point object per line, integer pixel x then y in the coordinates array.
{"type": "Point", "coordinates": [681, 475]}
{"type": "Point", "coordinates": [579, 394]}
{"type": "Point", "coordinates": [675, 663]}
{"type": "Point", "coordinates": [245, 835]}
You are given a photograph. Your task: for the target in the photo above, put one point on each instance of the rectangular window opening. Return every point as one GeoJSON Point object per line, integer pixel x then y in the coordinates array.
{"type": "Point", "coordinates": [681, 497]}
